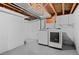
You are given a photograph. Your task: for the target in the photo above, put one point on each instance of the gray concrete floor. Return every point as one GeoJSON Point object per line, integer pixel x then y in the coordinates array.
{"type": "Point", "coordinates": [32, 48]}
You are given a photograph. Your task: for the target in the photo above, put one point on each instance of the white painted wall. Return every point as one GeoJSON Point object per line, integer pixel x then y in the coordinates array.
{"type": "Point", "coordinates": [65, 20]}
{"type": "Point", "coordinates": [12, 31]}
{"type": "Point", "coordinates": [76, 28]}
{"type": "Point", "coordinates": [66, 24]}
{"type": "Point", "coordinates": [33, 29]}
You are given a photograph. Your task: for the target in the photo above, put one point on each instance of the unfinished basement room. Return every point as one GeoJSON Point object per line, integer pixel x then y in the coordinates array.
{"type": "Point", "coordinates": [39, 28]}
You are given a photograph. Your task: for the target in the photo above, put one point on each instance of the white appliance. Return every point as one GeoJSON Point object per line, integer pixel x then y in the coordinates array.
{"type": "Point", "coordinates": [51, 37]}
{"type": "Point", "coordinates": [42, 37]}
{"type": "Point", "coordinates": [55, 38]}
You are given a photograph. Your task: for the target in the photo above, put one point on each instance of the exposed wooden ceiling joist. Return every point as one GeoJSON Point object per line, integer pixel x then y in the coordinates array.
{"type": "Point", "coordinates": [31, 16]}
{"type": "Point", "coordinates": [45, 4]}
{"type": "Point", "coordinates": [73, 6]}
{"type": "Point", "coordinates": [53, 8]}
{"type": "Point", "coordinates": [15, 9]}
{"type": "Point", "coordinates": [63, 8]}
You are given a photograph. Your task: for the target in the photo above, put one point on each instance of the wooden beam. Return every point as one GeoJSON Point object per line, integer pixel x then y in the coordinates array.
{"type": "Point", "coordinates": [22, 10]}
{"type": "Point", "coordinates": [53, 8]}
{"type": "Point", "coordinates": [55, 16]}
{"type": "Point", "coordinates": [73, 6]}
{"type": "Point", "coordinates": [45, 5]}
{"type": "Point", "coordinates": [63, 8]}
{"type": "Point", "coordinates": [16, 9]}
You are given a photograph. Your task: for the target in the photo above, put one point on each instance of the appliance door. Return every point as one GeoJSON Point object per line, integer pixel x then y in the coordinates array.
{"type": "Point", "coordinates": [55, 38]}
